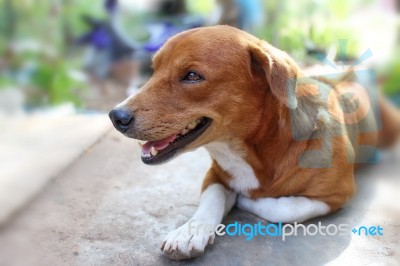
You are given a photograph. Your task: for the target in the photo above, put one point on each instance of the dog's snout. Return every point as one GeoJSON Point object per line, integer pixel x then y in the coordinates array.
{"type": "Point", "coordinates": [121, 119]}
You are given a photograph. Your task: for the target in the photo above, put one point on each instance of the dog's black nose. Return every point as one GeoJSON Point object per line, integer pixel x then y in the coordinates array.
{"type": "Point", "coordinates": [121, 119]}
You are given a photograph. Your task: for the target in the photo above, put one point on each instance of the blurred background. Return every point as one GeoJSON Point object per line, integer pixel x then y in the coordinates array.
{"type": "Point", "coordinates": [88, 53]}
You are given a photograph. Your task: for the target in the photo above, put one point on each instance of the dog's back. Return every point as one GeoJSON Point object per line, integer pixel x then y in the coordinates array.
{"type": "Point", "coordinates": [386, 120]}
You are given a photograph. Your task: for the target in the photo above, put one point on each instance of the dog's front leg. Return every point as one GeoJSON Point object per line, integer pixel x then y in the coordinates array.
{"type": "Point", "coordinates": [190, 240]}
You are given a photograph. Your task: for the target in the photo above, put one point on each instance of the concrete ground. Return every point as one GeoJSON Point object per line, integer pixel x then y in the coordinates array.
{"type": "Point", "coordinates": [34, 148]}
{"type": "Point", "coordinates": [107, 208]}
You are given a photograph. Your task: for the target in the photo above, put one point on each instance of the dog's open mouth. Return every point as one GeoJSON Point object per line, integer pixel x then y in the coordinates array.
{"type": "Point", "coordinates": [155, 152]}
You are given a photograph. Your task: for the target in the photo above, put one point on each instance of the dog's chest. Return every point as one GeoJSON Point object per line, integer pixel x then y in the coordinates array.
{"type": "Point", "coordinates": [231, 161]}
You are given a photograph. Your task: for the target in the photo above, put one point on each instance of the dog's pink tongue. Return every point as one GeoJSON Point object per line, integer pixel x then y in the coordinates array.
{"type": "Point", "coordinates": [159, 144]}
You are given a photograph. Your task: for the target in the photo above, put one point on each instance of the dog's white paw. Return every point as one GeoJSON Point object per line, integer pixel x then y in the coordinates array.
{"type": "Point", "coordinates": [188, 241]}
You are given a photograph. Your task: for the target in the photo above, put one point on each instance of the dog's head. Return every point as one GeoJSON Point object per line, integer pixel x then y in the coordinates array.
{"type": "Point", "coordinates": [209, 84]}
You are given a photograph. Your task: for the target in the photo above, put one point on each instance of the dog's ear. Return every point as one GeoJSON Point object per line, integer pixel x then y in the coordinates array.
{"type": "Point", "coordinates": [279, 70]}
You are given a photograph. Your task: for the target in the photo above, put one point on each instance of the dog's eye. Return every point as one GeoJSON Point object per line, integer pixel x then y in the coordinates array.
{"type": "Point", "coordinates": [192, 76]}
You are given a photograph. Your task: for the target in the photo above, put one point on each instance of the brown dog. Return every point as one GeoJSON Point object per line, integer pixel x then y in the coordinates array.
{"type": "Point", "coordinates": [280, 141]}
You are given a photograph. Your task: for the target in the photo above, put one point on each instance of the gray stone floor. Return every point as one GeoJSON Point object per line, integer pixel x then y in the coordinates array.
{"type": "Point", "coordinates": [35, 148]}
{"type": "Point", "coordinates": [107, 208]}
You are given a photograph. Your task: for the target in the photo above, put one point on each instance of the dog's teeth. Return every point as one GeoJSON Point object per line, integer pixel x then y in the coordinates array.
{"type": "Point", "coordinates": [198, 120]}
{"type": "Point", "coordinates": [153, 151]}
{"type": "Point", "coordinates": [145, 155]}
{"type": "Point", "coordinates": [192, 125]}
{"type": "Point", "coordinates": [185, 131]}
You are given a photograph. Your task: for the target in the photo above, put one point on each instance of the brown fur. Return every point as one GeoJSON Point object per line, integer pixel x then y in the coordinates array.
{"type": "Point", "coordinates": [244, 93]}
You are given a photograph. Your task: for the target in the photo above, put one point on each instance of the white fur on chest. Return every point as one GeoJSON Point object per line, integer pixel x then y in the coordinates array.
{"type": "Point", "coordinates": [231, 161]}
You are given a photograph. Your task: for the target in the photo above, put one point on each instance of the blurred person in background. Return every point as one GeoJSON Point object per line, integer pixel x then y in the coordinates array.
{"type": "Point", "coordinates": [243, 14]}
{"type": "Point", "coordinates": [113, 52]}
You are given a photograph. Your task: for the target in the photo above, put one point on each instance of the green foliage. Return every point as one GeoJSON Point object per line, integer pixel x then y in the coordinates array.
{"type": "Point", "coordinates": [51, 26]}
{"type": "Point", "coordinates": [5, 82]}
{"type": "Point", "coordinates": [290, 24]}
{"type": "Point", "coordinates": [391, 77]}
{"type": "Point", "coordinates": [53, 78]}
{"type": "Point", "coordinates": [201, 7]}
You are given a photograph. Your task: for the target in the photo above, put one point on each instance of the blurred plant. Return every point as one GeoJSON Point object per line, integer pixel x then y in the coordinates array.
{"type": "Point", "coordinates": [291, 25]}
{"type": "Point", "coordinates": [57, 82]}
{"type": "Point", "coordinates": [36, 42]}
{"type": "Point", "coordinates": [203, 7]}
{"type": "Point", "coordinates": [390, 77]}
{"type": "Point", "coordinates": [46, 77]}
{"type": "Point", "coordinates": [5, 82]}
